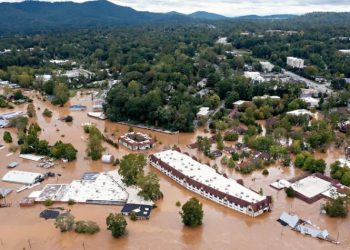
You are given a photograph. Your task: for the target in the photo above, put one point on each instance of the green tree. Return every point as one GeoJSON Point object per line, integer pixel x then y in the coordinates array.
{"type": "Point", "coordinates": [219, 141]}
{"type": "Point", "coordinates": [7, 137]}
{"type": "Point", "coordinates": [94, 147]}
{"type": "Point", "coordinates": [61, 93]}
{"type": "Point", "coordinates": [116, 223]}
{"type": "Point", "coordinates": [290, 192]}
{"type": "Point", "coordinates": [131, 168]}
{"type": "Point", "coordinates": [62, 150]}
{"type": "Point", "coordinates": [337, 207]}
{"type": "Point", "coordinates": [192, 213]}
{"type": "Point", "coordinates": [150, 188]}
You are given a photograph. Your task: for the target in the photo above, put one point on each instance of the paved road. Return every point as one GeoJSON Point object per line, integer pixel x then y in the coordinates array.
{"type": "Point", "coordinates": [324, 88]}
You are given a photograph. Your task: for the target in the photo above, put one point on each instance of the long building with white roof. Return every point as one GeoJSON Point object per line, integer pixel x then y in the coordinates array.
{"type": "Point", "coordinates": [206, 182]}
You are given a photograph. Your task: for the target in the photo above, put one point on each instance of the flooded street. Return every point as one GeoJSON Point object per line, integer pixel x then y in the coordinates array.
{"type": "Point", "coordinates": [222, 227]}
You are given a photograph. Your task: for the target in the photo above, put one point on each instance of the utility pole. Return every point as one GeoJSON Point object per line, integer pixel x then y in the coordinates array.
{"type": "Point", "coordinates": [30, 245]}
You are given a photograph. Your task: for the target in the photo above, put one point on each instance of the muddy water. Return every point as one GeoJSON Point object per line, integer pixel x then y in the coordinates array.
{"type": "Point", "coordinates": [222, 228]}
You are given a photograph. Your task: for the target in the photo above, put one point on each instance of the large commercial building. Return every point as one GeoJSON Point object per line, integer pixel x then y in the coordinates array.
{"type": "Point", "coordinates": [206, 182]}
{"type": "Point", "coordinates": [295, 62]}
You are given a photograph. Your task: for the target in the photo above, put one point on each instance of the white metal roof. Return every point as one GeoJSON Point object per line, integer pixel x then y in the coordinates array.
{"type": "Point", "coordinates": [22, 177]}
{"type": "Point", "coordinates": [31, 157]}
{"type": "Point", "coordinates": [311, 186]}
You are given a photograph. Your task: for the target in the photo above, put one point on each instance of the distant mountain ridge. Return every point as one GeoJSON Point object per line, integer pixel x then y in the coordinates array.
{"type": "Point", "coordinates": [37, 16]}
{"type": "Point", "coordinates": [207, 16]}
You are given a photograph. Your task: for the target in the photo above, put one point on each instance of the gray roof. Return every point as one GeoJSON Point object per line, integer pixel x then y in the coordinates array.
{"type": "Point", "coordinates": [314, 232]}
{"type": "Point", "coordinates": [291, 220]}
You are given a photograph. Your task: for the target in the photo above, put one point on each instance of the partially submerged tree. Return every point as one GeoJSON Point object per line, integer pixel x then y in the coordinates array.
{"type": "Point", "coordinates": [192, 213]}
{"type": "Point", "coordinates": [131, 168]}
{"type": "Point", "coordinates": [65, 222]}
{"type": "Point", "coordinates": [94, 147]}
{"type": "Point", "coordinates": [31, 110]}
{"type": "Point", "coordinates": [116, 223]}
{"type": "Point", "coordinates": [150, 188]}
{"type": "Point", "coordinates": [89, 227]}
{"type": "Point", "coordinates": [61, 93]}
{"type": "Point", "coordinates": [7, 137]}
{"type": "Point", "coordinates": [337, 207]}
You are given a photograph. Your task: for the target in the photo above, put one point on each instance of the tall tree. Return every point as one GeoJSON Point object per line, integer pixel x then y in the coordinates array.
{"type": "Point", "coordinates": [61, 92]}
{"type": "Point", "coordinates": [131, 168]}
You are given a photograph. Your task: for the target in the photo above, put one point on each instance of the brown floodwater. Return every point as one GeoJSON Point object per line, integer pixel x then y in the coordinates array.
{"type": "Point", "coordinates": [222, 227]}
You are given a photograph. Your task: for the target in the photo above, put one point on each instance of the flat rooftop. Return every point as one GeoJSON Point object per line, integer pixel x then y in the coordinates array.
{"type": "Point", "coordinates": [207, 175]}
{"type": "Point", "coordinates": [311, 186]}
{"type": "Point", "coordinates": [21, 177]}
{"type": "Point", "coordinates": [104, 188]}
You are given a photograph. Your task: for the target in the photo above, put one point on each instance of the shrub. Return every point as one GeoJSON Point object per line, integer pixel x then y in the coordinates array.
{"type": "Point", "coordinates": [231, 137]}
{"type": "Point", "coordinates": [7, 137]}
{"type": "Point", "coordinates": [65, 222]}
{"type": "Point", "coordinates": [265, 172]}
{"type": "Point", "coordinates": [68, 118]}
{"type": "Point", "coordinates": [48, 202]}
{"type": "Point", "coordinates": [47, 113]}
{"type": "Point", "coordinates": [133, 216]}
{"type": "Point", "coordinates": [88, 227]}
{"type": "Point", "coordinates": [178, 203]}
{"type": "Point", "coordinates": [290, 192]}
{"type": "Point", "coordinates": [71, 202]}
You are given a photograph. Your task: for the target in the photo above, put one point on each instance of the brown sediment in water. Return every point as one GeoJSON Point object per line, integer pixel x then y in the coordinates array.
{"type": "Point", "coordinates": [222, 228]}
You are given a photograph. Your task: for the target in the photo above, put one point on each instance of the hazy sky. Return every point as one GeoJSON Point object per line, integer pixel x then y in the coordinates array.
{"type": "Point", "coordinates": [234, 7]}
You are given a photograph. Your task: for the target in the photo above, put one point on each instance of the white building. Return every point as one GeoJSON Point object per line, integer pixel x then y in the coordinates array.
{"type": "Point", "coordinates": [266, 66]}
{"type": "Point", "coordinates": [43, 78]}
{"type": "Point", "coordinates": [22, 177]}
{"type": "Point", "coordinates": [345, 51]}
{"type": "Point", "coordinates": [76, 73]}
{"type": "Point", "coordinates": [239, 103]}
{"type": "Point", "coordinates": [295, 62]}
{"type": "Point", "coordinates": [202, 83]}
{"type": "Point", "coordinates": [59, 62]}
{"type": "Point", "coordinates": [272, 97]}
{"type": "Point", "coordinates": [310, 101]}
{"type": "Point", "coordinates": [94, 188]}
{"type": "Point", "coordinates": [299, 112]}
{"type": "Point", "coordinates": [203, 112]}
{"type": "Point", "coordinates": [254, 76]}
{"type": "Point", "coordinates": [205, 181]}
